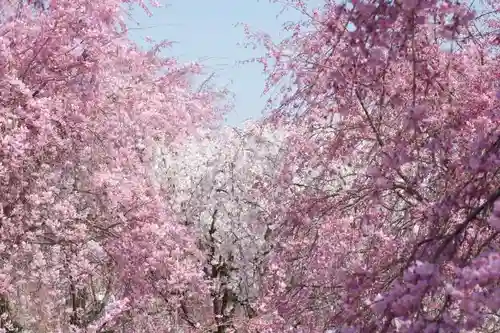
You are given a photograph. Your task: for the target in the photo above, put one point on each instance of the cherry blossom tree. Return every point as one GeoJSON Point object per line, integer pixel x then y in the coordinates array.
{"type": "Point", "coordinates": [86, 241]}
{"type": "Point", "coordinates": [395, 106]}
{"type": "Point", "coordinates": [224, 180]}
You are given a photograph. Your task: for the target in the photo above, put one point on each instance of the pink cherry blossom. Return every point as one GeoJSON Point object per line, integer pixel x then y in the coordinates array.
{"type": "Point", "coordinates": [414, 146]}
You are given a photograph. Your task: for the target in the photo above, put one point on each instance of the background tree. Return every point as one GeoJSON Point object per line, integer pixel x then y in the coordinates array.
{"type": "Point", "coordinates": [223, 180]}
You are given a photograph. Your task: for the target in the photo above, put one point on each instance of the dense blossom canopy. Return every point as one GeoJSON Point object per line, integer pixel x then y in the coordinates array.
{"type": "Point", "coordinates": [396, 106]}
{"type": "Point", "coordinates": [366, 201]}
{"type": "Point", "coordinates": [85, 236]}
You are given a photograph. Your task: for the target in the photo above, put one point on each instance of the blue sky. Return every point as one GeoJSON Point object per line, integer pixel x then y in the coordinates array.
{"type": "Point", "coordinates": [205, 31]}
